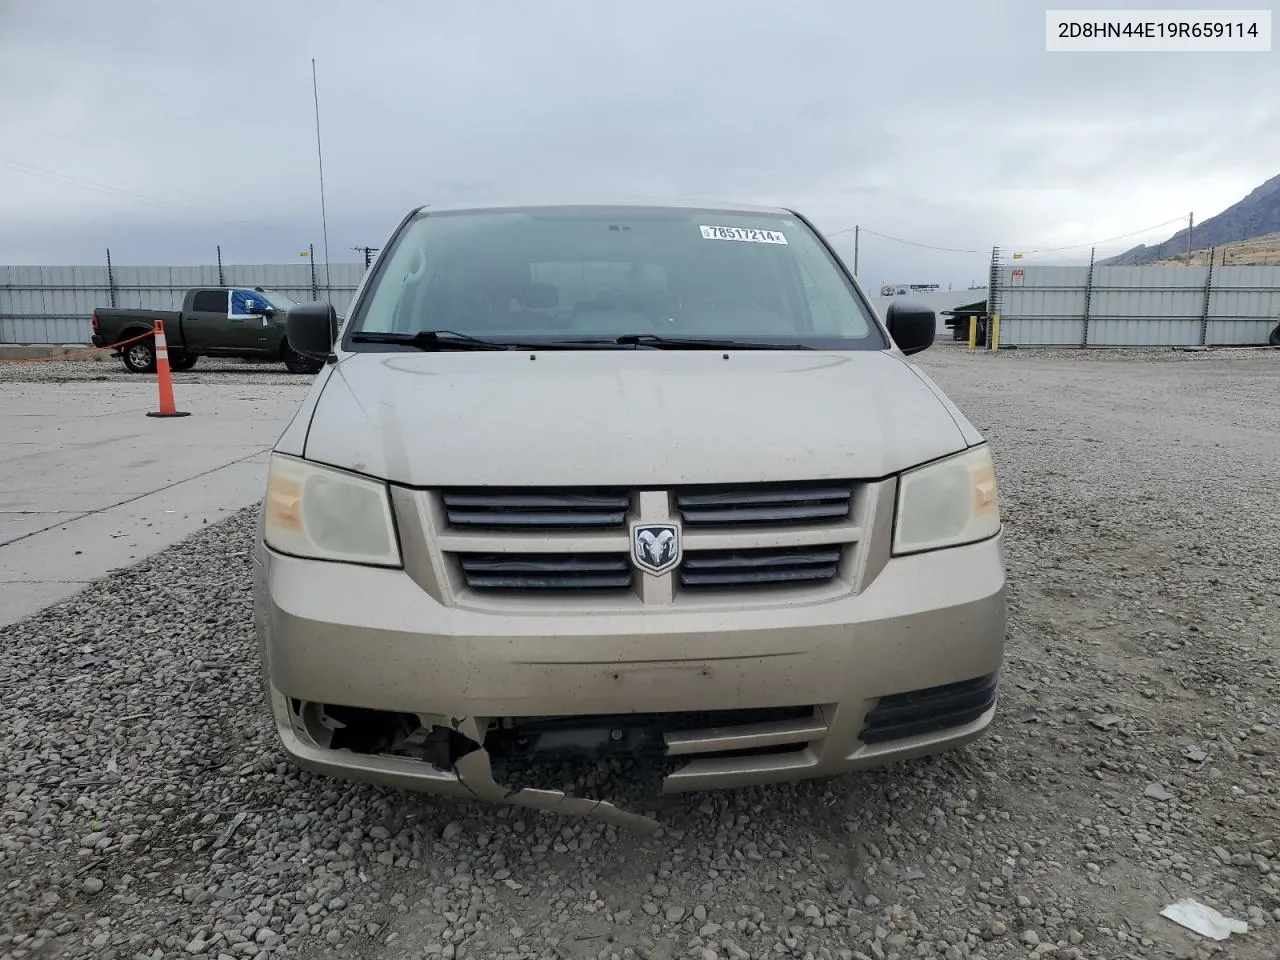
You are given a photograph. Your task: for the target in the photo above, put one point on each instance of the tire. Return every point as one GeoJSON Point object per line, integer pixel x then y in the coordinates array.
{"type": "Point", "coordinates": [296, 363]}
{"type": "Point", "coordinates": [182, 361]}
{"type": "Point", "coordinates": [1274, 339]}
{"type": "Point", "coordinates": [140, 356]}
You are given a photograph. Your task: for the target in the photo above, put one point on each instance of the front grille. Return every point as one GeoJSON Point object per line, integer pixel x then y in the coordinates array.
{"type": "Point", "coordinates": [546, 571]}
{"type": "Point", "coordinates": [792, 566]}
{"type": "Point", "coordinates": [761, 537]}
{"type": "Point", "coordinates": [903, 715]}
{"type": "Point", "coordinates": [533, 509]}
{"type": "Point", "coordinates": [760, 504]}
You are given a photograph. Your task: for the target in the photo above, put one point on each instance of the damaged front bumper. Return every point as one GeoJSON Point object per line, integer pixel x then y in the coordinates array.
{"type": "Point", "coordinates": [469, 775]}
{"type": "Point", "coordinates": [371, 679]}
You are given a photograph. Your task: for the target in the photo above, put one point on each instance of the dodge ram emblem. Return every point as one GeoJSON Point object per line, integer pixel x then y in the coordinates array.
{"type": "Point", "coordinates": [655, 546]}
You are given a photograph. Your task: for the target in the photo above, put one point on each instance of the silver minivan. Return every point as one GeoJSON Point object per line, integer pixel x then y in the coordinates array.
{"type": "Point", "coordinates": [702, 512]}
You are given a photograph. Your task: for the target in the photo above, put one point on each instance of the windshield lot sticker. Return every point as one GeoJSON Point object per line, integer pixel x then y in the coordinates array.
{"type": "Point", "coordinates": [744, 234]}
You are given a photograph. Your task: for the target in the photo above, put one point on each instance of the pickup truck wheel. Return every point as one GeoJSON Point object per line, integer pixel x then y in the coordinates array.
{"type": "Point", "coordinates": [182, 361]}
{"type": "Point", "coordinates": [296, 363]}
{"type": "Point", "coordinates": [1274, 339]}
{"type": "Point", "coordinates": [140, 356]}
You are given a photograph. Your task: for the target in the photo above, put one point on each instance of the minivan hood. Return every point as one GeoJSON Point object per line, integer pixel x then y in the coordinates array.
{"type": "Point", "coordinates": [627, 417]}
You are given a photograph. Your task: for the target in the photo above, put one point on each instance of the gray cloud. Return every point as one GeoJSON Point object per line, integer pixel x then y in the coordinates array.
{"type": "Point", "coordinates": [938, 122]}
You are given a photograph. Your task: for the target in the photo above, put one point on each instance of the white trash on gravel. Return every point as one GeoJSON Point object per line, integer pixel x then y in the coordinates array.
{"type": "Point", "coordinates": [1204, 920]}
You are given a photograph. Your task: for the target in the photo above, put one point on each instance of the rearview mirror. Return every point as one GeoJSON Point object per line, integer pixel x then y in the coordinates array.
{"type": "Point", "coordinates": [311, 329]}
{"type": "Point", "coordinates": [912, 326]}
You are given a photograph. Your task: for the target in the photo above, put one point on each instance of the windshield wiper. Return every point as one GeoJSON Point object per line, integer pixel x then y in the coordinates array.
{"type": "Point", "coordinates": [452, 340]}
{"type": "Point", "coordinates": [433, 340]}
{"type": "Point", "coordinates": [695, 343]}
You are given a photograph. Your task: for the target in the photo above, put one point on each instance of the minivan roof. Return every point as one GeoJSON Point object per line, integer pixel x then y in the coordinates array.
{"type": "Point", "coordinates": [712, 205]}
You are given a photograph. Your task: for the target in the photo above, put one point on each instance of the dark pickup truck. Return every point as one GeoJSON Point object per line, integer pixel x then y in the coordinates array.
{"type": "Point", "coordinates": [243, 322]}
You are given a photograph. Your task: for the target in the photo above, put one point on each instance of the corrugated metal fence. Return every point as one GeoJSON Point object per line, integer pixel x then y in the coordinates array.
{"type": "Point", "coordinates": [53, 304]}
{"type": "Point", "coordinates": [1042, 306]}
{"type": "Point", "coordinates": [1039, 305]}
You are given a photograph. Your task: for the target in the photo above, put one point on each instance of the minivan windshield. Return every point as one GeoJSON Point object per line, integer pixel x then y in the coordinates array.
{"type": "Point", "coordinates": [583, 273]}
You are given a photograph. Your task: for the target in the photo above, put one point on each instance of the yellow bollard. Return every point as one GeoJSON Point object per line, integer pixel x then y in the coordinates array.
{"type": "Point", "coordinates": [973, 332]}
{"type": "Point", "coordinates": [993, 341]}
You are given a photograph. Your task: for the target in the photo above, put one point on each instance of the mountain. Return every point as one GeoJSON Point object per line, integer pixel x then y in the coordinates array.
{"type": "Point", "coordinates": [1261, 251]}
{"type": "Point", "coordinates": [1256, 215]}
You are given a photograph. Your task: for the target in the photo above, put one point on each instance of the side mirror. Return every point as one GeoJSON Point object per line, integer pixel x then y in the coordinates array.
{"type": "Point", "coordinates": [267, 310]}
{"type": "Point", "coordinates": [312, 329]}
{"type": "Point", "coordinates": [912, 326]}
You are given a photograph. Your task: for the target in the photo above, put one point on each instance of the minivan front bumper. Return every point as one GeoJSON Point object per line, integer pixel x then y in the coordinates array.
{"type": "Point", "coordinates": [906, 667]}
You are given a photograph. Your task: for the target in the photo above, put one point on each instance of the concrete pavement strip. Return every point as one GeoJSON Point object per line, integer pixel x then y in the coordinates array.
{"type": "Point", "coordinates": [89, 484]}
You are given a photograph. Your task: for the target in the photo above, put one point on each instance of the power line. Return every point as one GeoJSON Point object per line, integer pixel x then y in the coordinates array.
{"type": "Point", "coordinates": [109, 190]}
{"type": "Point", "coordinates": [1099, 243]}
{"type": "Point", "coordinates": [912, 243]}
{"type": "Point", "coordinates": [1073, 246]}
{"type": "Point", "coordinates": [43, 173]}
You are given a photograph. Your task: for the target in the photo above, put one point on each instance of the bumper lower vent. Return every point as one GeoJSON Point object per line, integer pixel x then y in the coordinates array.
{"type": "Point", "coordinates": [546, 571]}
{"type": "Point", "coordinates": [722, 733]}
{"type": "Point", "coordinates": [765, 504]}
{"type": "Point", "coordinates": [795, 566]}
{"type": "Point", "coordinates": [532, 509]}
{"type": "Point", "coordinates": [929, 710]}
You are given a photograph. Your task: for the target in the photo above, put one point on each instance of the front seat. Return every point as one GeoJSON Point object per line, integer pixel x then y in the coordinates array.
{"type": "Point", "coordinates": [536, 301]}
{"type": "Point", "coordinates": [606, 316]}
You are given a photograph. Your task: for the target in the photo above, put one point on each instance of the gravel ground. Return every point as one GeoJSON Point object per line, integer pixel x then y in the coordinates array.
{"type": "Point", "coordinates": [108, 369]}
{"type": "Point", "coordinates": [147, 812]}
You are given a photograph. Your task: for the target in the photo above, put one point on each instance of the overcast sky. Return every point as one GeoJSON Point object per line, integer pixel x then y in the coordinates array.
{"type": "Point", "coordinates": [161, 129]}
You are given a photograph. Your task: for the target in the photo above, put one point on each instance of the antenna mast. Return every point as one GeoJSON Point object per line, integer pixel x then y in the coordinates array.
{"type": "Point", "coordinates": [324, 222]}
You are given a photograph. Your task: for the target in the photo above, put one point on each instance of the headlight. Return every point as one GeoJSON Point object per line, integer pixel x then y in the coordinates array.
{"type": "Point", "coordinates": [327, 514]}
{"type": "Point", "coordinates": [948, 503]}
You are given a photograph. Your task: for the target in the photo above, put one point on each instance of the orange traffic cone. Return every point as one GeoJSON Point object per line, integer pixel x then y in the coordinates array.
{"type": "Point", "coordinates": [164, 378]}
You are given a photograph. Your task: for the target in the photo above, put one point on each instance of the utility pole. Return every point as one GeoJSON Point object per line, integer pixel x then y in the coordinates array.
{"type": "Point", "coordinates": [368, 254]}
{"type": "Point", "coordinates": [1191, 222]}
{"type": "Point", "coordinates": [856, 232]}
